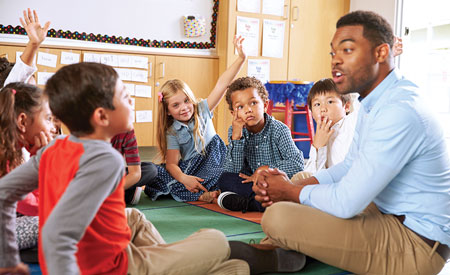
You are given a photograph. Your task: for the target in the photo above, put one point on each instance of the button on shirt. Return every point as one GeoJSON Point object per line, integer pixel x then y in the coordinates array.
{"type": "Point", "coordinates": [181, 136]}
{"type": "Point", "coordinates": [273, 146]}
{"type": "Point", "coordinates": [398, 160]}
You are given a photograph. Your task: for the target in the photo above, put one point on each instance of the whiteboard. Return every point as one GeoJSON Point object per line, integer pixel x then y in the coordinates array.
{"type": "Point", "coordinates": [140, 19]}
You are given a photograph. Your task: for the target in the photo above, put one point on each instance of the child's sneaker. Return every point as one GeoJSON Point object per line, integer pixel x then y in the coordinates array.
{"type": "Point", "coordinates": [136, 196]}
{"type": "Point", "coordinates": [233, 202]}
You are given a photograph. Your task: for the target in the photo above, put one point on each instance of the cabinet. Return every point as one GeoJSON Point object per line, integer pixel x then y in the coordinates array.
{"type": "Point", "coordinates": [309, 27]}
{"type": "Point", "coordinates": [200, 73]}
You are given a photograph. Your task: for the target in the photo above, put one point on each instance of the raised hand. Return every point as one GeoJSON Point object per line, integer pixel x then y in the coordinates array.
{"type": "Point", "coordinates": [238, 43]}
{"type": "Point", "coordinates": [36, 33]}
{"type": "Point", "coordinates": [397, 49]}
{"type": "Point", "coordinates": [323, 133]}
{"type": "Point", "coordinates": [193, 184]}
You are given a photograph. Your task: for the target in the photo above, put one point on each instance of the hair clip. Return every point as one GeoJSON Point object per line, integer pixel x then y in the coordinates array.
{"type": "Point", "coordinates": [160, 97]}
{"type": "Point", "coordinates": [13, 91]}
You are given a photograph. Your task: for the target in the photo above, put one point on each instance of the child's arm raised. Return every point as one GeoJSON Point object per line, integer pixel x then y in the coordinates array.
{"type": "Point", "coordinates": [192, 183]}
{"type": "Point", "coordinates": [225, 79]}
{"type": "Point", "coordinates": [36, 35]}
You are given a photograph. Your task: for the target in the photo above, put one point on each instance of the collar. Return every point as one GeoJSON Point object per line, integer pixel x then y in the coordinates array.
{"type": "Point", "coordinates": [372, 98]}
{"type": "Point", "coordinates": [177, 125]}
{"type": "Point", "coordinates": [267, 120]}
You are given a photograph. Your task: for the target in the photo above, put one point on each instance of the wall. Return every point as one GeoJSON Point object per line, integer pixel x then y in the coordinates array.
{"type": "Point", "coordinates": [146, 19]}
{"type": "Point", "coordinates": [386, 8]}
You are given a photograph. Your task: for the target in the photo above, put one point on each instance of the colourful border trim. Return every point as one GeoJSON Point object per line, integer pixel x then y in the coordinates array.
{"type": "Point", "coordinates": [126, 41]}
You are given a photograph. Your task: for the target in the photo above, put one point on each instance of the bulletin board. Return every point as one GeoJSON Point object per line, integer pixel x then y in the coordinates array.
{"type": "Point", "coordinates": [141, 23]}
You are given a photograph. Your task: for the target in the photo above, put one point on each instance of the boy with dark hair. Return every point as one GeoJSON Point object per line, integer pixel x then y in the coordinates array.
{"type": "Point", "coordinates": [83, 224]}
{"type": "Point", "coordinates": [335, 126]}
{"type": "Point", "coordinates": [256, 139]}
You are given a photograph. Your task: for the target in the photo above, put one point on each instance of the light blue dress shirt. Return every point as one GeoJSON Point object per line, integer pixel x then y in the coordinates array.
{"type": "Point", "coordinates": [181, 136]}
{"type": "Point", "coordinates": [398, 159]}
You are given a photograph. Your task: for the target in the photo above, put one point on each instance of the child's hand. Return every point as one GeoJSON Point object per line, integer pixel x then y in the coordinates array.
{"type": "Point", "coordinates": [39, 141]}
{"type": "Point", "coordinates": [397, 49]}
{"type": "Point", "coordinates": [20, 268]}
{"type": "Point", "coordinates": [323, 132]}
{"type": "Point", "coordinates": [239, 46]}
{"type": "Point", "coordinates": [35, 32]}
{"type": "Point", "coordinates": [238, 124]}
{"type": "Point", "coordinates": [253, 178]}
{"type": "Point", "coordinates": [193, 184]}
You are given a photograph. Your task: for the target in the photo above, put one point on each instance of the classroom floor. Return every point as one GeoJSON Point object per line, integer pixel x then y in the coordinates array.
{"type": "Point", "coordinates": [175, 221]}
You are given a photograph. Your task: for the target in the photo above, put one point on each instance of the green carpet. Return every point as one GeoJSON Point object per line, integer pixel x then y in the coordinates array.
{"type": "Point", "coordinates": [175, 221]}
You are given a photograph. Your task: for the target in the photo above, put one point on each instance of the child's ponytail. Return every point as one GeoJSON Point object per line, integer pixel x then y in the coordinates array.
{"type": "Point", "coordinates": [9, 136]}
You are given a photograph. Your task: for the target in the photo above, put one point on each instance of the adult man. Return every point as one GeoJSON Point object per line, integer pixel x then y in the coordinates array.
{"type": "Point", "coordinates": [386, 208]}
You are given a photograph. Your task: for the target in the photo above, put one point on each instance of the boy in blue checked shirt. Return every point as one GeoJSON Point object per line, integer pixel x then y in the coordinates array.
{"type": "Point", "coordinates": [256, 140]}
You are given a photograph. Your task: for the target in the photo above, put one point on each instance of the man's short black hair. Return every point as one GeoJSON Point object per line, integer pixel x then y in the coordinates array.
{"type": "Point", "coordinates": [75, 91]}
{"type": "Point", "coordinates": [376, 29]}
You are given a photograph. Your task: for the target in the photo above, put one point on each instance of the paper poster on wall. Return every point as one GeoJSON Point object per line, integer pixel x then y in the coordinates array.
{"type": "Point", "coordinates": [69, 58]}
{"type": "Point", "coordinates": [139, 75]}
{"type": "Point", "coordinates": [259, 68]}
{"type": "Point", "coordinates": [42, 77]}
{"type": "Point", "coordinates": [273, 38]}
{"type": "Point", "coordinates": [144, 116]}
{"type": "Point", "coordinates": [129, 87]}
{"type": "Point", "coordinates": [273, 7]}
{"type": "Point", "coordinates": [253, 6]}
{"type": "Point", "coordinates": [249, 29]}
{"type": "Point", "coordinates": [140, 62]}
{"type": "Point", "coordinates": [124, 74]}
{"type": "Point", "coordinates": [91, 57]}
{"type": "Point", "coordinates": [109, 59]}
{"type": "Point", "coordinates": [47, 59]}
{"type": "Point", "coordinates": [124, 61]}
{"type": "Point", "coordinates": [143, 91]}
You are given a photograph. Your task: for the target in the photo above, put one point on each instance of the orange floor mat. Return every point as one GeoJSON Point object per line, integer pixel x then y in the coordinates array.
{"type": "Point", "coordinates": [249, 216]}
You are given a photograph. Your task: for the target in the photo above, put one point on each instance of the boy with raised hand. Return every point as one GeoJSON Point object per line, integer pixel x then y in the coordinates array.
{"type": "Point", "coordinates": [256, 140]}
{"type": "Point", "coordinates": [84, 226]}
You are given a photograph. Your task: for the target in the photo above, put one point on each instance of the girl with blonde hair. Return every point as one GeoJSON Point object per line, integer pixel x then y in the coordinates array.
{"type": "Point", "coordinates": [191, 151]}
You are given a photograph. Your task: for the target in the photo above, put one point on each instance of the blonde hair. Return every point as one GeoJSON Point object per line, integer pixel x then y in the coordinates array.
{"type": "Point", "coordinates": [165, 121]}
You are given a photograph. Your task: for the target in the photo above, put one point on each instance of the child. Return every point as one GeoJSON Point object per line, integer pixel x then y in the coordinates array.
{"type": "Point", "coordinates": [138, 173]}
{"type": "Point", "coordinates": [25, 122]}
{"type": "Point", "coordinates": [255, 140]}
{"type": "Point", "coordinates": [84, 227]}
{"type": "Point", "coordinates": [192, 151]}
{"type": "Point", "coordinates": [334, 131]}
{"type": "Point", "coordinates": [23, 69]}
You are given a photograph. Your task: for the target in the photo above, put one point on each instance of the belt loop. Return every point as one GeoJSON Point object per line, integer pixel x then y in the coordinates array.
{"type": "Point", "coordinates": [435, 246]}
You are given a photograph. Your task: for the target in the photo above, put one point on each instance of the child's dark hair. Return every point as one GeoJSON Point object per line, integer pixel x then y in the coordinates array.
{"type": "Point", "coordinates": [245, 83]}
{"type": "Point", "coordinates": [5, 69]}
{"type": "Point", "coordinates": [375, 28]}
{"type": "Point", "coordinates": [324, 86]}
{"type": "Point", "coordinates": [75, 91]}
{"type": "Point", "coordinates": [15, 98]}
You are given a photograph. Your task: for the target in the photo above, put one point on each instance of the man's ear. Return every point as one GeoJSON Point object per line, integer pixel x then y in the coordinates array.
{"type": "Point", "coordinates": [382, 52]}
{"type": "Point", "coordinates": [22, 122]}
{"type": "Point", "coordinates": [100, 117]}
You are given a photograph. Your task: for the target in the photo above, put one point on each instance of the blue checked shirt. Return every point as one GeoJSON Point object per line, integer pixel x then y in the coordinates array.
{"type": "Point", "coordinates": [273, 146]}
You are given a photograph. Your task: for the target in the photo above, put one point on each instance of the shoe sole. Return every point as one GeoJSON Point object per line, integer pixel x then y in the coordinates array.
{"type": "Point", "coordinates": [137, 196]}
{"type": "Point", "coordinates": [220, 198]}
{"type": "Point", "coordinates": [266, 261]}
